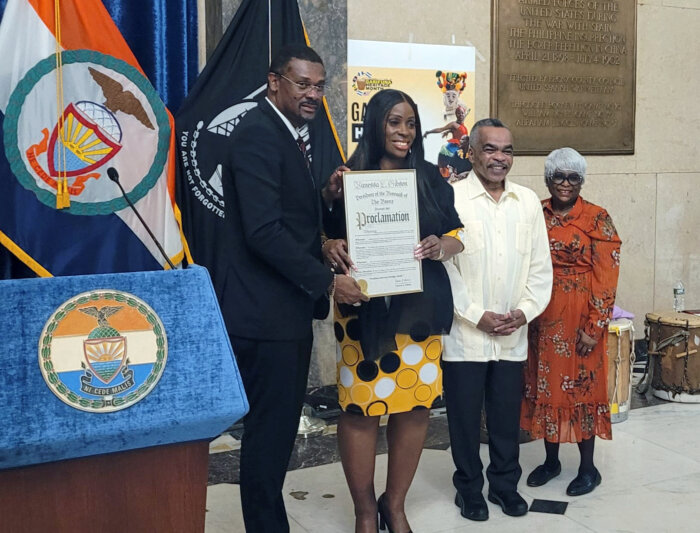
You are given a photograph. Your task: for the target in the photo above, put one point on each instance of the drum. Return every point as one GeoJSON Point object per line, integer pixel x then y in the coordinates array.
{"type": "Point", "coordinates": [620, 364]}
{"type": "Point", "coordinates": [674, 360]}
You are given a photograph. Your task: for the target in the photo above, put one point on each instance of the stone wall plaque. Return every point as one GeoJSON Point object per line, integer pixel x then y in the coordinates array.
{"type": "Point", "coordinates": [563, 74]}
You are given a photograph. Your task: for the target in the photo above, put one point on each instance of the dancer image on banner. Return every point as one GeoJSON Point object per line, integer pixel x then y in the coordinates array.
{"type": "Point", "coordinates": [456, 130]}
{"type": "Point", "coordinates": [458, 165]}
{"type": "Point", "coordinates": [452, 85]}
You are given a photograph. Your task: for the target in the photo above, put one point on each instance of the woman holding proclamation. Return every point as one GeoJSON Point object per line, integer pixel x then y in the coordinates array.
{"type": "Point", "coordinates": [389, 356]}
{"type": "Point", "coordinates": [566, 373]}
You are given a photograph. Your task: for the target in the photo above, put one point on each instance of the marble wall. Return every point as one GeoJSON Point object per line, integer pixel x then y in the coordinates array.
{"type": "Point", "coordinates": [651, 195]}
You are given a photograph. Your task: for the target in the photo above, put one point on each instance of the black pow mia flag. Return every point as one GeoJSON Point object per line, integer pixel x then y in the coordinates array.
{"type": "Point", "coordinates": [232, 83]}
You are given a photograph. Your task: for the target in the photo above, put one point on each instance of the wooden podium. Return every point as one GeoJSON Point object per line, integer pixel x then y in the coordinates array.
{"type": "Point", "coordinates": [139, 469]}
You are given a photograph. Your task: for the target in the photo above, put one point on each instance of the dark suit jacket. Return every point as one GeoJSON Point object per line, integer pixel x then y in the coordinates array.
{"type": "Point", "coordinates": [275, 274]}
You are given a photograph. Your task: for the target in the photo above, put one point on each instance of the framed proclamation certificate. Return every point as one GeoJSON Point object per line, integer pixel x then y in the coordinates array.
{"type": "Point", "coordinates": [381, 216]}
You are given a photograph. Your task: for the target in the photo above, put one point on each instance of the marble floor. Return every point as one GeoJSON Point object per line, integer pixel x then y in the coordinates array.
{"type": "Point", "coordinates": [651, 479]}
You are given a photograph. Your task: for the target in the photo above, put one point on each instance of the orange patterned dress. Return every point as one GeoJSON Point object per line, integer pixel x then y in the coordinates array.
{"type": "Point", "coordinates": [565, 396]}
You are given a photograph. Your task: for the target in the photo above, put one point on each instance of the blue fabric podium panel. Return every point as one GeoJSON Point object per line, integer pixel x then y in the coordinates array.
{"type": "Point", "coordinates": [198, 396]}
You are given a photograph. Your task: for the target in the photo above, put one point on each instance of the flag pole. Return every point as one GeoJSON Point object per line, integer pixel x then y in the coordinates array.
{"type": "Point", "coordinates": [269, 31]}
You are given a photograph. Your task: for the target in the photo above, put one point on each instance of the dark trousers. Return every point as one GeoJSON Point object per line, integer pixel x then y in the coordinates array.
{"type": "Point", "coordinates": [498, 386]}
{"type": "Point", "coordinates": [274, 375]}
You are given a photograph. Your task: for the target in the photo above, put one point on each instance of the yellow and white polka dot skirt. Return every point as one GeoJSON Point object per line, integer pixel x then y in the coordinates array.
{"type": "Point", "coordinates": [402, 380]}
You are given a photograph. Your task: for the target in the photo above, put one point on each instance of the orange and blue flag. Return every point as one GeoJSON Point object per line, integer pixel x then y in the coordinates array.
{"type": "Point", "coordinates": [73, 103]}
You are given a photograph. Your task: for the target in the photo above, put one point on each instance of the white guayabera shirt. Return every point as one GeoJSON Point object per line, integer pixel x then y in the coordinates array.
{"type": "Point", "coordinates": [505, 265]}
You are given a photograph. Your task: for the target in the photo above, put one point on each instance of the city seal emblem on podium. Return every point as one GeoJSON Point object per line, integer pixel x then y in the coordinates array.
{"type": "Point", "coordinates": [103, 350]}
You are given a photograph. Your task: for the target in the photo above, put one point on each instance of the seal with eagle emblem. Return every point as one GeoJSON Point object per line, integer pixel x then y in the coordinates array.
{"type": "Point", "coordinates": [108, 114]}
{"type": "Point", "coordinates": [83, 352]}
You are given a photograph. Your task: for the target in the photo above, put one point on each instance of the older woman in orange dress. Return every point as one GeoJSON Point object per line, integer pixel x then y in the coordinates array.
{"type": "Point", "coordinates": [566, 372]}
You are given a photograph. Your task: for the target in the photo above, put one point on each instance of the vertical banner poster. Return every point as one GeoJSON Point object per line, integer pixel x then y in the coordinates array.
{"type": "Point", "coordinates": [439, 78]}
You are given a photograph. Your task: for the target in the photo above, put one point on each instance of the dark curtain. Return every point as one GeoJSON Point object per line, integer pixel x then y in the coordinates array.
{"type": "Point", "coordinates": [10, 266]}
{"type": "Point", "coordinates": [162, 34]}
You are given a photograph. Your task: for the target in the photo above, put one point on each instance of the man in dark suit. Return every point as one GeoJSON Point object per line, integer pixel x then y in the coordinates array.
{"type": "Point", "coordinates": [275, 281]}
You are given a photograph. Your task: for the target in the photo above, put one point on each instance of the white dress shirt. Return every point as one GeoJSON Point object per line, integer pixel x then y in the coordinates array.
{"type": "Point", "coordinates": [302, 131]}
{"type": "Point", "coordinates": [505, 265]}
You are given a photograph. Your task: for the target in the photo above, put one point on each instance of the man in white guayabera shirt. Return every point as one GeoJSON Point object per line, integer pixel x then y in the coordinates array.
{"type": "Point", "coordinates": [500, 282]}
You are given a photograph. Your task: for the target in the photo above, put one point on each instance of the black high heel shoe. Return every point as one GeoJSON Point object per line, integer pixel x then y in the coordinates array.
{"type": "Point", "coordinates": [384, 517]}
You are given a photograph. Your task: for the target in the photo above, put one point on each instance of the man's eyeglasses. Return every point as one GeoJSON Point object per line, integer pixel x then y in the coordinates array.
{"type": "Point", "coordinates": [574, 178]}
{"type": "Point", "coordinates": [304, 86]}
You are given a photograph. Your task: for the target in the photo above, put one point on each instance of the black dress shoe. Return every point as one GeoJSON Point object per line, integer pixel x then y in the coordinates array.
{"type": "Point", "coordinates": [584, 483]}
{"type": "Point", "coordinates": [511, 502]}
{"type": "Point", "coordinates": [384, 516]}
{"type": "Point", "coordinates": [542, 474]}
{"type": "Point", "coordinates": [472, 506]}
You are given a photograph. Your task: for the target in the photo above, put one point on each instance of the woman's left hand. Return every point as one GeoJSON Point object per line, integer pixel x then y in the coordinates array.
{"type": "Point", "coordinates": [334, 187]}
{"type": "Point", "coordinates": [429, 248]}
{"type": "Point", "coordinates": [584, 343]}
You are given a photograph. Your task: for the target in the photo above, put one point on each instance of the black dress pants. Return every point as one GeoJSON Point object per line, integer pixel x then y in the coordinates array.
{"type": "Point", "coordinates": [498, 386]}
{"type": "Point", "coordinates": [274, 376]}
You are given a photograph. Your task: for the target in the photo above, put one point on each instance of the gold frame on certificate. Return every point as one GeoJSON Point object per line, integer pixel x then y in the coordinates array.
{"type": "Point", "coordinates": [381, 217]}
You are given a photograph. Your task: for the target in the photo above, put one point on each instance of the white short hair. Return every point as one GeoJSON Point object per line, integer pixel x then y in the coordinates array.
{"type": "Point", "coordinates": [566, 159]}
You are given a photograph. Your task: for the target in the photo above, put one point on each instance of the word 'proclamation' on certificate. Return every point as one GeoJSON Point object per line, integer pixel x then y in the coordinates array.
{"type": "Point", "coordinates": [381, 210]}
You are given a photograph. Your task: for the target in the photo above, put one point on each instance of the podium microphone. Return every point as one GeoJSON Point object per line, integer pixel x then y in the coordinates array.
{"type": "Point", "coordinates": [114, 176]}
